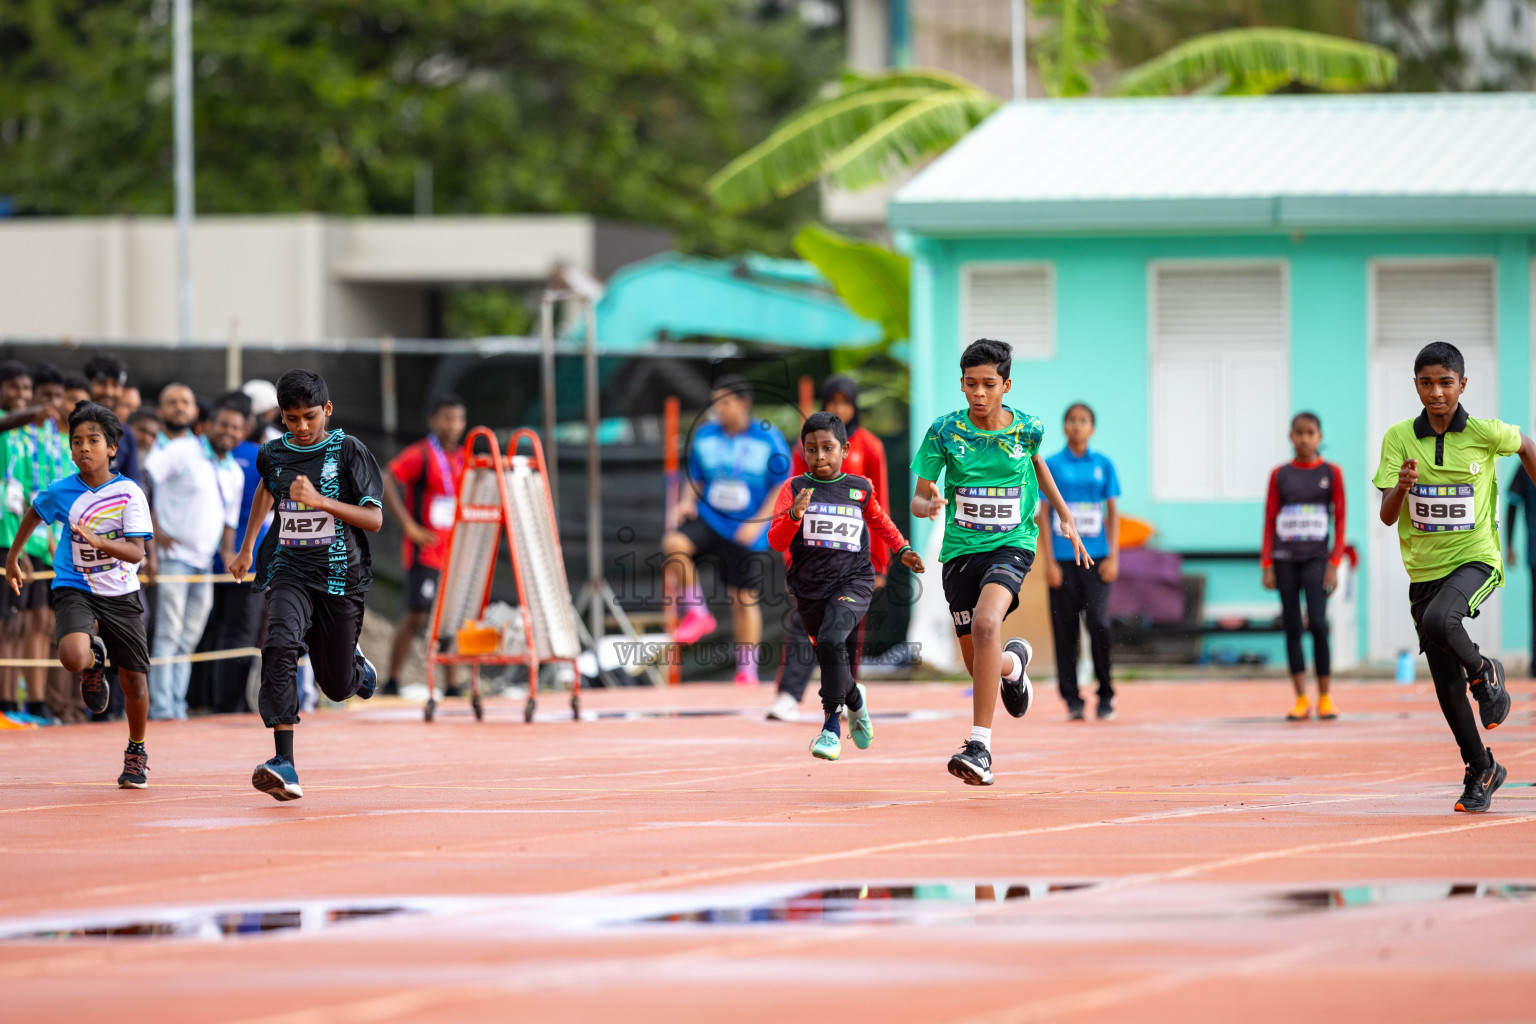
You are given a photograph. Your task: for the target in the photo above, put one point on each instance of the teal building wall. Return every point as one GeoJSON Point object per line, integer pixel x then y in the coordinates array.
{"type": "Point", "coordinates": [1101, 357]}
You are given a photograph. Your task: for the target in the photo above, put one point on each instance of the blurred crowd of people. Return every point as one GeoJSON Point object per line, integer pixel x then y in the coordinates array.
{"type": "Point", "coordinates": [195, 458]}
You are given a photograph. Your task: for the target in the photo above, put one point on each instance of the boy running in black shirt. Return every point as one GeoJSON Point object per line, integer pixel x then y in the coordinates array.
{"type": "Point", "coordinates": [313, 564]}
{"type": "Point", "coordinates": [819, 519]}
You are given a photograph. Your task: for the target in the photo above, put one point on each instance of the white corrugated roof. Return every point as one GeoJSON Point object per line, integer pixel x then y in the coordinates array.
{"type": "Point", "coordinates": [1280, 160]}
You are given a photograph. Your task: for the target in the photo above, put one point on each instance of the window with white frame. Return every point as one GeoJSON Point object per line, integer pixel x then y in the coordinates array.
{"type": "Point", "coordinates": [1012, 302]}
{"type": "Point", "coordinates": [1220, 355]}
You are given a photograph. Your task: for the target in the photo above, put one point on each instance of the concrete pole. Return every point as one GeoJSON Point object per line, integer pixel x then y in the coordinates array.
{"type": "Point", "coordinates": [594, 475]}
{"type": "Point", "coordinates": [182, 75]}
{"type": "Point", "coordinates": [547, 386]}
{"type": "Point", "coordinates": [1017, 40]}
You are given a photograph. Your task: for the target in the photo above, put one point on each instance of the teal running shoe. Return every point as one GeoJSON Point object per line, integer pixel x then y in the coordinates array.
{"type": "Point", "coordinates": [826, 746]}
{"type": "Point", "coordinates": [859, 726]}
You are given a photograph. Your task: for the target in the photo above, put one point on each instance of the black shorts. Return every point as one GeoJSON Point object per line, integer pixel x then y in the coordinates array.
{"type": "Point", "coordinates": [421, 587]}
{"type": "Point", "coordinates": [854, 595]}
{"type": "Point", "coordinates": [739, 567]}
{"type": "Point", "coordinates": [965, 576]}
{"type": "Point", "coordinates": [33, 595]}
{"type": "Point", "coordinates": [1473, 581]}
{"type": "Point", "coordinates": [118, 619]}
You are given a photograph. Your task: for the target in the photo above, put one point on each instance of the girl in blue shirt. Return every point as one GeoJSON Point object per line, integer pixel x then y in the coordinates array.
{"type": "Point", "coordinates": [1089, 485]}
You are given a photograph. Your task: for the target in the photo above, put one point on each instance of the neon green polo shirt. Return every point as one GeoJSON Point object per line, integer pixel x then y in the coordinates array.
{"type": "Point", "coordinates": [1450, 517]}
{"type": "Point", "coordinates": [989, 481]}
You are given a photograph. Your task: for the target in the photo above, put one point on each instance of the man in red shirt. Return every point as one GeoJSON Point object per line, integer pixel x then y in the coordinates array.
{"type": "Point", "coordinates": [428, 471]}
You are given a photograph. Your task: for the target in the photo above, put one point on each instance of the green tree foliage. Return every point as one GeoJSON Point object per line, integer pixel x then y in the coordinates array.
{"type": "Point", "coordinates": [619, 108]}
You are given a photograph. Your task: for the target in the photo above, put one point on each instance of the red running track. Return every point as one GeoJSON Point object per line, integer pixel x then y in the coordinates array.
{"type": "Point", "coordinates": [1197, 859]}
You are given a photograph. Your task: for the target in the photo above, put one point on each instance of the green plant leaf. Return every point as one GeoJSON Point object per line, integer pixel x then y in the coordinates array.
{"type": "Point", "coordinates": [917, 131]}
{"type": "Point", "coordinates": [797, 152]}
{"type": "Point", "coordinates": [1262, 56]}
{"type": "Point", "coordinates": [875, 282]}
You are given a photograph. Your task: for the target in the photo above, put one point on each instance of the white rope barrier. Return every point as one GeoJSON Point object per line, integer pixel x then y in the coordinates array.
{"type": "Point", "coordinates": [174, 659]}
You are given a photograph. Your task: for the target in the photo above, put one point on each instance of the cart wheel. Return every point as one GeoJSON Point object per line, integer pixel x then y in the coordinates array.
{"type": "Point", "coordinates": [575, 707]}
{"type": "Point", "coordinates": [429, 710]}
{"type": "Point", "coordinates": [479, 706]}
{"type": "Point", "coordinates": [529, 708]}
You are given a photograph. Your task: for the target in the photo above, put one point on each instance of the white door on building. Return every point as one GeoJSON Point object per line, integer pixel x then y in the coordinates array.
{"type": "Point", "coordinates": [1413, 304]}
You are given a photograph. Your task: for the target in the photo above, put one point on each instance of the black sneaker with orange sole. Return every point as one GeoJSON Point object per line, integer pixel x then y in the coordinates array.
{"type": "Point", "coordinates": [1478, 786]}
{"type": "Point", "coordinates": [1491, 696]}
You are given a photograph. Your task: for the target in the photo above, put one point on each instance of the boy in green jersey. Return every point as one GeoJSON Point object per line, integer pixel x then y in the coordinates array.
{"type": "Point", "coordinates": [1439, 488]}
{"type": "Point", "coordinates": [989, 456]}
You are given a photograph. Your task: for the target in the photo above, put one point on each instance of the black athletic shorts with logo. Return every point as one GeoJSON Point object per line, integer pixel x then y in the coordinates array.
{"type": "Point", "coordinates": [421, 588]}
{"type": "Point", "coordinates": [965, 576]}
{"type": "Point", "coordinates": [117, 618]}
{"type": "Point", "coordinates": [739, 566]}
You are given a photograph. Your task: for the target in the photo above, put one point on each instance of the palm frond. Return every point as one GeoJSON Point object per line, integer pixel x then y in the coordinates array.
{"type": "Point", "coordinates": [1278, 54]}
{"type": "Point", "coordinates": [920, 129]}
{"type": "Point", "coordinates": [874, 281]}
{"type": "Point", "coordinates": [797, 152]}
{"type": "Point", "coordinates": [862, 81]}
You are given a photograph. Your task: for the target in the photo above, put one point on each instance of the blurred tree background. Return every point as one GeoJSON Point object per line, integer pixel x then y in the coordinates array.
{"type": "Point", "coordinates": [617, 108]}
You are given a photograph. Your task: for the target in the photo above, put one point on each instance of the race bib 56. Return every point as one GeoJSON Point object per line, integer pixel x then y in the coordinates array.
{"type": "Point", "coordinates": [88, 560]}
{"type": "Point", "coordinates": [1437, 508]}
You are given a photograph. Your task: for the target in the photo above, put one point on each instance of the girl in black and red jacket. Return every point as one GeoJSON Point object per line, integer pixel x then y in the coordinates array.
{"type": "Point", "coordinates": [1306, 497]}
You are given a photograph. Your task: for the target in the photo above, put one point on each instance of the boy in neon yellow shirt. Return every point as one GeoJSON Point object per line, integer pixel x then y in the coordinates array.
{"type": "Point", "coordinates": [1440, 490]}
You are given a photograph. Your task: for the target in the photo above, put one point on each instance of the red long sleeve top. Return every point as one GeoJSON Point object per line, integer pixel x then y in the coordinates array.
{"type": "Point", "coordinates": [1304, 498]}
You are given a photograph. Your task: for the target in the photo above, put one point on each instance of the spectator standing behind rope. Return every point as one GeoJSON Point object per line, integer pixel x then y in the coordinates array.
{"type": "Point", "coordinates": [237, 609]}
{"type": "Point", "coordinates": [429, 472]}
{"type": "Point", "coordinates": [263, 396]}
{"type": "Point", "coordinates": [15, 464]}
{"type": "Point", "coordinates": [866, 458]}
{"type": "Point", "coordinates": [197, 507]}
{"type": "Point", "coordinates": [108, 378]}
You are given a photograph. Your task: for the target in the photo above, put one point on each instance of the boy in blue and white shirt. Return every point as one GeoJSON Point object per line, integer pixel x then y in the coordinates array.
{"type": "Point", "coordinates": [96, 578]}
{"type": "Point", "coordinates": [1089, 485]}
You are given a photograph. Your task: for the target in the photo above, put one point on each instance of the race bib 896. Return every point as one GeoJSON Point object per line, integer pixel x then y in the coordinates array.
{"type": "Point", "coordinates": [991, 509]}
{"type": "Point", "coordinates": [1438, 508]}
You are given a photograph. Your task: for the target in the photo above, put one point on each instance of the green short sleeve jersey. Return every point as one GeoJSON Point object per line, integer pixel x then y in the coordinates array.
{"type": "Point", "coordinates": [1450, 516]}
{"type": "Point", "coordinates": [989, 481]}
{"type": "Point", "coordinates": [15, 482]}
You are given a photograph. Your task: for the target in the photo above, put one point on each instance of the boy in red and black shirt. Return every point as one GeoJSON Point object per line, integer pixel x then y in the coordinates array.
{"type": "Point", "coordinates": [429, 472]}
{"type": "Point", "coordinates": [823, 519]}
{"type": "Point", "coordinates": [1306, 496]}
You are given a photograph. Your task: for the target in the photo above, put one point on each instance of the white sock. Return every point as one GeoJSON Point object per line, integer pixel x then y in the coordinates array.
{"type": "Point", "coordinates": [1012, 674]}
{"type": "Point", "coordinates": [982, 736]}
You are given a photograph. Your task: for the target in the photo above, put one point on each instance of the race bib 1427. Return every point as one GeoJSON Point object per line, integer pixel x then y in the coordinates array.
{"type": "Point", "coordinates": [299, 526]}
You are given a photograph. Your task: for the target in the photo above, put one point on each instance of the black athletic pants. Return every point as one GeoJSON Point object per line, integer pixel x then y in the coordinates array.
{"type": "Point", "coordinates": [1439, 609]}
{"type": "Point", "coordinates": [800, 655]}
{"type": "Point", "coordinates": [1293, 579]}
{"type": "Point", "coordinates": [834, 625]}
{"type": "Point", "coordinates": [1083, 593]}
{"type": "Point", "coordinates": [328, 625]}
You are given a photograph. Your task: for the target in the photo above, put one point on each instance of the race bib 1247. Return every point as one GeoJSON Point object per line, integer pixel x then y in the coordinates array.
{"type": "Point", "coordinates": [833, 526]}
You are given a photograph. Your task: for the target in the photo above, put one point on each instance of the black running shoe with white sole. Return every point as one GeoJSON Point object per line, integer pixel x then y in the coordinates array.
{"type": "Point", "coordinates": [973, 764]}
{"type": "Point", "coordinates": [1018, 695]}
{"type": "Point", "coordinates": [93, 681]}
{"type": "Point", "coordinates": [1105, 712]}
{"type": "Point", "coordinates": [278, 779]}
{"type": "Point", "coordinates": [1478, 786]}
{"type": "Point", "coordinates": [135, 765]}
{"type": "Point", "coordinates": [1491, 696]}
